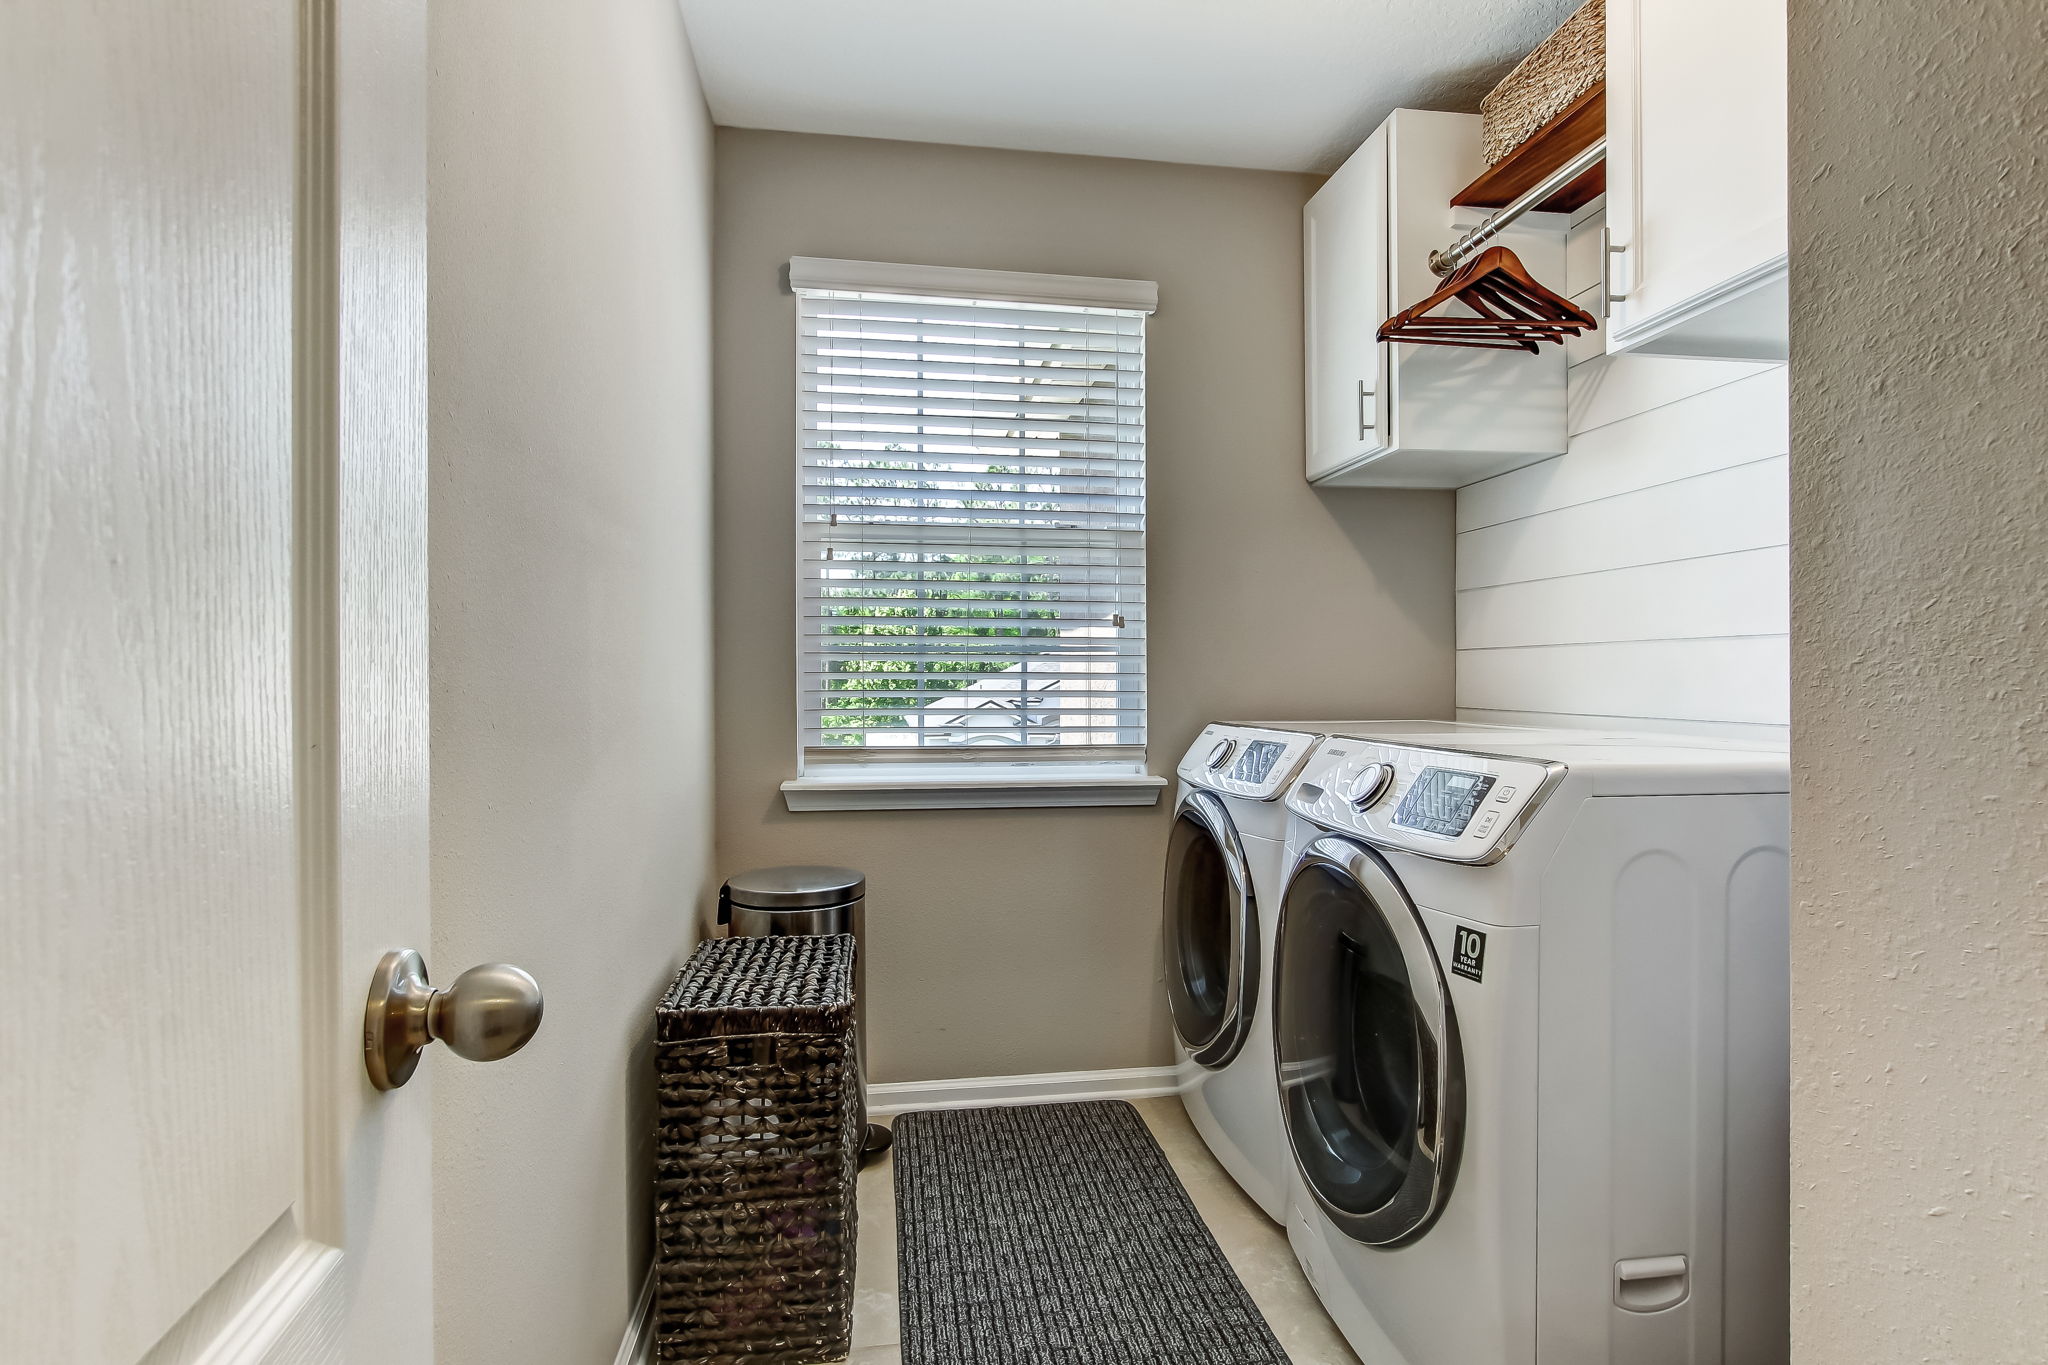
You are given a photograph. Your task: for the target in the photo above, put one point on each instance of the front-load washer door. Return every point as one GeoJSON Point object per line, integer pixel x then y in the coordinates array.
{"type": "Point", "coordinates": [1212, 932]}
{"type": "Point", "coordinates": [1371, 1078]}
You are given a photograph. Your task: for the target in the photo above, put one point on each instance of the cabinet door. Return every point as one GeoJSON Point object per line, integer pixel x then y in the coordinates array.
{"type": "Point", "coordinates": [1344, 246]}
{"type": "Point", "coordinates": [1696, 175]}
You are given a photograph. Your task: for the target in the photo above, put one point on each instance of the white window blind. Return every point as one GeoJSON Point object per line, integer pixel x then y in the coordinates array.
{"type": "Point", "coordinates": [972, 510]}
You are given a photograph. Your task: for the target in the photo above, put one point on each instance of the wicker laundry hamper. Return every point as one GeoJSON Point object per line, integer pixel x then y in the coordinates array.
{"type": "Point", "coordinates": [1570, 62]}
{"type": "Point", "coordinates": [757, 1149]}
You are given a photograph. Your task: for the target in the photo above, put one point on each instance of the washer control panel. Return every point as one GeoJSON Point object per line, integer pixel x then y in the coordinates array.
{"type": "Point", "coordinates": [1246, 760]}
{"type": "Point", "coordinates": [1462, 807]}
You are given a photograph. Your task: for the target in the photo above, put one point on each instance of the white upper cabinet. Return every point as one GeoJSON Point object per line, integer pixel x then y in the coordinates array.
{"type": "Point", "coordinates": [1404, 415]}
{"type": "Point", "coordinates": [1696, 177]}
{"type": "Point", "coordinates": [1344, 231]}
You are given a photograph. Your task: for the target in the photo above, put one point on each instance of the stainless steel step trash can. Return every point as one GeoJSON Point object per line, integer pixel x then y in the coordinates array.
{"type": "Point", "coordinates": [811, 900]}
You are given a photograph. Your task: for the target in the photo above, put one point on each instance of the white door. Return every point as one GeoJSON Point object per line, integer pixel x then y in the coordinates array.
{"type": "Point", "coordinates": [1344, 260]}
{"type": "Point", "coordinates": [1696, 176]}
{"type": "Point", "coordinates": [213, 745]}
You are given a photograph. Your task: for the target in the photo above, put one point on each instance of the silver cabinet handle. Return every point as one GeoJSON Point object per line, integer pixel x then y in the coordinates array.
{"type": "Point", "coordinates": [489, 1012]}
{"type": "Point", "coordinates": [1608, 298]}
{"type": "Point", "coordinates": [1364, 421]}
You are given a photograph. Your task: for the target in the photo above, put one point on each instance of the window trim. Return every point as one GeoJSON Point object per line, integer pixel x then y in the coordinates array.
{"type": "Point", "coordinates": [948, 281]}
{"type": "Point", "coordinates": [969, 786]}
{"type": "Point", "coordinates": [930, 781]}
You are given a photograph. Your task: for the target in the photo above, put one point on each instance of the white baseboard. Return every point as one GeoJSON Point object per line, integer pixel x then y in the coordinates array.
{"type": "Point", "coordinates": [638, 1346]}
{"type": "Point", "coordinates": [975, 1092]}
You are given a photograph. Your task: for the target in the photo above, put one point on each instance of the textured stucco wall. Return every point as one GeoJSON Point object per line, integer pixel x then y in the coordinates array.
{"type": "Point", "coordinates": [1920, 680]}
{"type": "Point", "coordinates": [1015, 941]}
{"type": "Point", "coordinates": [569, 308]}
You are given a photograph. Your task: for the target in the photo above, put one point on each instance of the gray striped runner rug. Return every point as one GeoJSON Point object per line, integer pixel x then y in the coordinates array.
{"type": "Point", "coordinates": [1057, 1234]}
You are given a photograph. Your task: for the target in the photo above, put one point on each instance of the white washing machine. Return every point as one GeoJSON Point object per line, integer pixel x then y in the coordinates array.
{"type": "Point", "coordinates": [1224, 871]}
{"type": "Point", "coordinates": [1531, 1037]}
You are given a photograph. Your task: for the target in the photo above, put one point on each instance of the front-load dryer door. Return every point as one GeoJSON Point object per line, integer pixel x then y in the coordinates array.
{"type": "Point", "coordinates": [1212, 932]}
{"type": "Point", "coordinates": [1371, 1078]}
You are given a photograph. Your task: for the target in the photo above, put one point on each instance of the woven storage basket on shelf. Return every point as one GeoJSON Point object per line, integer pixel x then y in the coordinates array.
{"type": "Point", "coordinates": [757, 1150]}
{"type": "Point", "coordinates": [1570, 62]}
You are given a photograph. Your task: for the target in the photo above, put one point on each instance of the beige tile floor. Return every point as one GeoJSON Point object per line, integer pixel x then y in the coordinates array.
{"type": "Point", "coordinates": [1255, 1246]}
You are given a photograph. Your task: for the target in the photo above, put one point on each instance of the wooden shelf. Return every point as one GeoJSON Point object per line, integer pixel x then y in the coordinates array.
{"type": "Point", "coordinates": [1578, 126]}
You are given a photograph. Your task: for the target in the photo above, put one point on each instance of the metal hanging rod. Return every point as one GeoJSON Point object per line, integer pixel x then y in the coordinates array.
{"type": "Point", "coordinates": [1466, 247]}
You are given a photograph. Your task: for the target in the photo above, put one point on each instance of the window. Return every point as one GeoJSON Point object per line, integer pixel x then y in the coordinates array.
{"type": "Point", "coordinates": [971, 544]}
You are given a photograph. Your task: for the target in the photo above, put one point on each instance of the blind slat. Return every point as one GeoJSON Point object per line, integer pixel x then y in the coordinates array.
{"type": "Point", "coordinates": [1004, 479]}
{"type": "Point", "coordinates": [1021, 432]}
{"type": "Point", "coordinates": [935, 683]}
{"type": "Point", "coordinates": [1079, 393]}
{"type": "Point", "coordinates": [953, 548]}
{"type": "Point", "coordinates": [827, 402]}
{"type": "Point", "coordinates": [833, 458]}
{"type": "Point", "coordinates": [950, 548]}
{"type": "Point", "coordinates": [998, 361]}
{"type": "Point", "coordinates": [989, 506]}
{"type": "Point", "coordinates": [844, 453]}
{"type": "Point", "coordinates": [1103, 595]}
{"type": "Point", "coordinates": [949, 374]}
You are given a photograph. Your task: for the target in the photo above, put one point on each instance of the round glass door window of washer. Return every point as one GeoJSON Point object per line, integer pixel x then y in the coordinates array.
{"type": "Point", "coordinates": [1371, 1081]}
{"type": "Point", "coordinates": [1212, 941]}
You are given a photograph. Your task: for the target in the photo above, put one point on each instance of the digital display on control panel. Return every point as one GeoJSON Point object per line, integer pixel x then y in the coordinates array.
{"type": "Point", "coordinates": [1255, 764]}
{"type": "Point", "coordinates": [1442, 801]}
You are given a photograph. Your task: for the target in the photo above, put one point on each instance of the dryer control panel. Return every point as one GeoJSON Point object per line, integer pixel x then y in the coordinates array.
{"type": "Point", "coordinates": [1443, 803]}
{"type": "Point", "coordinates": [1246, 760]}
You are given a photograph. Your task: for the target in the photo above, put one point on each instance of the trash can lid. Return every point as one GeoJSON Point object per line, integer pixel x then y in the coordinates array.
{"type": "Point", "coordinates": [794, 888]}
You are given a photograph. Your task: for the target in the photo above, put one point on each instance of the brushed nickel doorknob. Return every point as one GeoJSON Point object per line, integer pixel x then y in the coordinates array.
{"type": "Point", "coordinates": [488, 1012]}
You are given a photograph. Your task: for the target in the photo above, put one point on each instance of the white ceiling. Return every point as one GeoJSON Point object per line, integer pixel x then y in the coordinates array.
{"type": "Point", "coordinates": [1276, 84]}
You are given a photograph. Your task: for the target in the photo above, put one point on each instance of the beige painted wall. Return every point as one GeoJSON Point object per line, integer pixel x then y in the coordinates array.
{"type": "Point", "coordinates": [1007, 942]}
{"type": "Point", "coordinates": [569, 307]}
{"type": "Point", "coordinates": [1920, 667]}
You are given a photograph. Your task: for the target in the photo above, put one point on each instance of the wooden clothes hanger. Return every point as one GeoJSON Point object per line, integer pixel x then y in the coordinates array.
{"type": "Point", "coordinates": [1513, 310]}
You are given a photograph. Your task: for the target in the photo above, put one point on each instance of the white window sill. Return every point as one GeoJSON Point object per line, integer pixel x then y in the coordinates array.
{"type": "Point", "coordinates": [970, 786]}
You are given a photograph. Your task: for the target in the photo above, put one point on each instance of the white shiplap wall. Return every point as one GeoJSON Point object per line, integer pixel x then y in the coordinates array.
{"type": "Point", "coordinates": [1638, 580]}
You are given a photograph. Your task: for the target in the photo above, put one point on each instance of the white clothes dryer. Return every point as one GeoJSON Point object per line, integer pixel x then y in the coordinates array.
{"type": "Point", "coordinates": [1224, 871]}
{"type": "Point", "coordinates": [1531, 1039]}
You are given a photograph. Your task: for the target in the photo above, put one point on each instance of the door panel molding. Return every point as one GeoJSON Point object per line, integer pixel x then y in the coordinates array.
{"type": "Point", "coordinates": [279, 1305]}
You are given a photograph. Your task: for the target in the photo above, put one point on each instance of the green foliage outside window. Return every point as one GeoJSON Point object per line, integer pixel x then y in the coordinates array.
{"type": "Point", "coordinates": [925, 610]}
